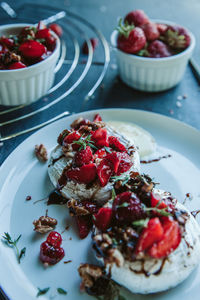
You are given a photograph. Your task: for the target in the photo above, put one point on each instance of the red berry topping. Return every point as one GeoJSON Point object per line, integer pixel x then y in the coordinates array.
{"type": "Point", "coordinates": [100, 153]}
{"type": "Point", "coordinates": [127, 207]}
{"type": "Point", "coordinates": [130, 39]}
{"type": "Point", "coordinates": [161, 28]}
{"type": "Point", "coordinates": [43, 33]}
{"type": "Point", "coordinates": [137, 18]}
{"type": "Point", "coordinates": [97, 118]}
{"type": "Point", "coordinates": [103, 218]}
{"type": "Point", "coordinates": [32, 49]}
{"type": "Point", "coordinates": [100, 137]}
{"type": "Point", "coordinates": [50, 254]}
{"type": "Point", "coordinates": [115, 159]}
{"type": "Point", "coordinates": [7, 42]}
{"type": "Point", "coordinates": [84, 174]}
{"type": "Point", "coordinates": [151, 234]}
{"type": "Point", "coordinates": [177, 37]}
{"type": "Point", "coordinates": [56, 28]}
{"type": "Point", "coordinates": [158, 49]}
{"type": "Point", "coordinates": [94, 43]}
{"type": "Point", "coordinates": [16, 65]}
{"type": "Point", "coordinates": [151, 31]}
{"type": "Point", "coordinates": [125, 163]}
{"type": "Point", "coordinates": [54, 239]}
{"type": "Point", "coordinates": [50, 42]}
{"type": "Point", "coordinates": [104, 171]}
{"type": "Point", "coordinates": [84, 157]}
{"type": "Point", "coordinates": [169, 242]}
{"type": "Point", "coordinates": [70, 138]}
{"type": "Point", "coordinates": [116, 144]}
{"type": "Point", "coordinates": [156, 201]}
{"type": "Point", "coordinates": [84, 224]}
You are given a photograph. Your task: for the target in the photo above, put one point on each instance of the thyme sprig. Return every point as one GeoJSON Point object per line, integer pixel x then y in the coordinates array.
{"type": "Point", "coordinates": [124, 178]}
{"type": "Point", "coordinates": [61, 291]}
{"type": "Point", "coordinates": [161, 211]}
{"type": "Point", "coordinates": [84, 142]}
{"type": "Point", "coordinates": [141, 223]}
{"type": "Point", "coordinates": [42, 291]}
{"type": "Point", "coordinates": [13, 243]}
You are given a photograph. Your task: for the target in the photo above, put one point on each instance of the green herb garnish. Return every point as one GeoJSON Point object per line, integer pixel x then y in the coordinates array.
{"type": "Point", "coordinates": [161, 211]}
{"type": "Point", "coordinates": [113, 194]}
{"type": "Point", "coordinates": [107, 150]}
{"type": "Point", "coordinates": [84, 142]}
{"type": "Point", "coordinates": [141, 223]}
{"type": "Point", "coordinates": [42, 291]}
{"type": "Point", "coordinates": [125, 204]}
{"type": "Point", "coordinates": [124, 178]}
{"type": "Point", "coordinates": [61, 291]}
{"type": "Point", "coordinates": [13, 243]}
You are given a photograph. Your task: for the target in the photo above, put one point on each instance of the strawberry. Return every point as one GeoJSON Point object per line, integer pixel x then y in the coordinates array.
{"type": "Point", "coordinates": [151, 32]}
{"type": "Point", "coordinates": [97, 118]}
{"type": "Point", "coordinates": [103, 218]}
{"type": "Point", "coordinates": [130, 39]}
{"type": "Point", "coordinates": [57, 29]}
{"type": "Point", "coordinates": [84, 224]}
{"type": "Point", "coordinates": [50, 42]}
{"type": "Point", "coordinates": [161, 28]}
{"type": "Point", "coordinates": [43, 33]}
{"type": "Point", "coordinates": [127, 207]}
{"type": "Point", "coordinates": [32, 49]}
{"type": "Point", "coordinates": [125, 163]}
{"type": "Point", "coordinates": [158, 49]}
{"type": "Point", "coordinates": [116, 144]}
{"type": "Point", "coordinates": [115, 159]}
{"type": "Point", "coordinates": [177, 37]}
{"type": "Point", "coordinates": [151, 234]}
{"type": "Point", "coordinates": [8, 42]}
{"type": "Point", "coordinates": [155, 199]}
{"type": "Point", "coordinates": [84, 174]}
{"type": "Point", "coordinates": [94, 43]}
{"type": "Point", "coordinates": [170, 240]}
{"type": "Point", "coordinates": [70, 138]}
{"type": "Point", "coordinates": [137, 18]}
{"type": "Point", "coordinates": [84, 157]}
{"type": "Point", "coordinates": [100, 137]}
{"type": "Point", "coordinates": [17, 65]}
{"type": "Point", "coordinates": [104, 171]}
{"type": "Point", "coordinates": [100, 153]}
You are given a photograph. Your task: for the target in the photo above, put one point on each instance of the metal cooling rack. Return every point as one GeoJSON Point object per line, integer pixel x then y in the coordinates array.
{"type": "Point", "coordinates": [71, 69]}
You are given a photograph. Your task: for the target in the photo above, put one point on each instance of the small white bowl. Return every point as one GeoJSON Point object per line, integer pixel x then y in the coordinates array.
{"type": "Point", "coordinates": [26, 85]}
{"type": "Point", "coordinates": [152, 74]}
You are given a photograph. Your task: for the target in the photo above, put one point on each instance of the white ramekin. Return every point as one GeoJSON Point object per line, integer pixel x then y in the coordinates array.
{"type": "Point", "coordinates": [23, 86]}
{"type": "Point", "coordinates": [152, 74]}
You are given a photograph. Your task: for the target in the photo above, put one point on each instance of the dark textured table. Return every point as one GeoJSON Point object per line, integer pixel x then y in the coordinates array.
{"type": "Point", "coordinates": [113, 93]}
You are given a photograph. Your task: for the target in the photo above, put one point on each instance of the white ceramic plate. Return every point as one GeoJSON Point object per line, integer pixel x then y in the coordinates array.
{"type": "Point", "coordinates": [21, 175]}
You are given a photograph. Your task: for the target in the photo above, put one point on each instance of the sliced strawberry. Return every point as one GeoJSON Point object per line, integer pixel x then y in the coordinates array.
{"type": "Point", "coordinates": [84, 157]}
{"type": "Point", "coordinates": [125, 163]}
{"type": "Point", "coordinates": [155, 199]}
{"type": "Point", "coordinates": [103, 218]}
{"type": "Point", "coordinates": [84, 174]}
{"type": "Point", "coordinates": [169, 242]}
{"type": "Point", "coordinates": [72, 137]}
{"type": "Point", "coordinates": [104, 171]}
{"type": "Point", "coordinates": [100, 137]}
{"type": "Point", "coordinates": [7, 42]}
{"type": "Point", "coordinates": [56, 28]}
{"type": "Point", "coordinates": [115, 159]}
{"type": "Point", "coordinates": [84, 224]}
{"type": "Point", "coordinates": [43, 33]}
{"type": "Point", "coordinates": [32, 49]}
{"type": "Point", "coordinates": [116, 144]}
{"type": "Point", "coordinates": [97, 118]}
{"type": "Point", "coordinates": [17, 65]}
{"type": "Point", "coordinates": [151, 234]}
{"type": "Point", "coordinates": [100, 153]}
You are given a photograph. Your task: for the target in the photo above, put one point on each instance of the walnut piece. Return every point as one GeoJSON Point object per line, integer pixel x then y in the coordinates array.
{"type": "Point", "coordinates": [44, 224]}
{"type": "Point", "coordinates": [89, 273]}
{"type": "Point", "coordinates": [76, 208]}
{"type": "Point", "coordinates": [62, 135]}
{"type": "Point", "coordinates": [41, 152]}
{"type": "Point", "coordinates": [10, 57]}
{"type": "Point", "coordinates": [115, 256]}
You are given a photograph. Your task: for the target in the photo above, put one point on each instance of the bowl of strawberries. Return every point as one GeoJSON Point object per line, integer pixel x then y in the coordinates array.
{"type": "Point", "coordinates": [151, 54]}
{"type": "Point", "coordinates": [28, 56]}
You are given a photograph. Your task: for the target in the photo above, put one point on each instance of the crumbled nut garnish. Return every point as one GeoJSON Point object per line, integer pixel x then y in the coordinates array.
{"type": "Point", "coordinates": [76, 208]}
{"type": "Point", "coordinates": [10, 57]}
{"type": "Point", "coordinates": [62, 135]}
{"type": "Point", "coordinates": [41, 152]}
{"type": "Point", "coordinates": [75, 124]}
{"type": "Point", "coordinates": [44, 224]}
{"type": "Point", "coordinates": [115, 256]}
{"type": "Point", "coordinates": [89, 273]}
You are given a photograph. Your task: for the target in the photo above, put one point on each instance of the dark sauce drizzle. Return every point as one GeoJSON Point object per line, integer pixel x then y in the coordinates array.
{"type": "Point", "coordinates": [195, 212]}
{"type": "Point", "coordinates": [56, 159]}
{"type": "Point", "coordinates": [155, 159]}
{"type": "Point", "coordinates": [147, 273]}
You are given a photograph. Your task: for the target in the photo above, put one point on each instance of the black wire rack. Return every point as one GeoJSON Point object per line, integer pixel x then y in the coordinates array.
{"type": "Point", "coordinates": [71, 70]}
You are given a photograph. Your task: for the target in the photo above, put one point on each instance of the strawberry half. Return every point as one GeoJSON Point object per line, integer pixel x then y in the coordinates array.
{"type": "Point", "coordinates": [72, 137]}
{"type": "Point", "coordinates": [125, 163]}
{"type": "Point", "coordinates": [155, 199]}
{"type": "Point", "coordinates": [103, 218]}
{"type": "Point", "coordinates": [100, 137]}
{"type": "Point", "coordinates": [97, 118]}
{"type": "Point", "coordinates": [84, 174]}
{"type": "Point", "coordinates": [84, 224]}
{"type": "Point", "coordinates": [84, 157]}
{"type": "Point", "coordinates": [151, 234]}
{"type": "Point", "coordinates": [115, 159]}
{"type": "Point", "coordinates": [104, 171]}
{"type": "Point", "coordinates": [100, 153]}
{"type": "Point", "coordinates": [169, 242]}
{"type": "Point", "coordinates": [116, 144]}
{"type": "Point", "coordinates": [32, 49]}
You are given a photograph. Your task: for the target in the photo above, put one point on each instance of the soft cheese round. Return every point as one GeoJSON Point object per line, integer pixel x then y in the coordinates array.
{"type": "Point", "coordinates": [177, 267]}
{"type": "Point", "coordinates": [79, 191]}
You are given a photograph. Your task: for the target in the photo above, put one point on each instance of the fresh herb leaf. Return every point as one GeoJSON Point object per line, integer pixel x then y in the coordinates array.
{"type": "Point", "coordinates": [141, 223]}
{"type": "Point", "coordinates": [114, 242]}
{"type": "Point", "coordinates": [107, 150]}
{"type": "Point", "coordinates": [83, 142]}
{"type": "Point", "coordinates": [113, 194]}
{"type": "Point", "coordinates": [42, 291]}
{"type": "Point", "coordinates": [13, 243]}
{"type": "Point", "coordinates": [61, 291]}
{"type": "Point", "coordinates": [162, 211]}
{"type": "Point", "coordinates": [125, 204]}
{"type": "Point", "coordinates": [123, 178]}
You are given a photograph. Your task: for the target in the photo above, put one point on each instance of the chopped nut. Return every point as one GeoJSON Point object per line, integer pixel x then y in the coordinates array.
{"type": "Point", "coordinates": [76, 208]}
{"type": "Point", "coordinates": [147, 187]}
{"type": "Point", "coordinates": [62, 135]}
{"type": "Point", "coordinates": [68, 151]}
{"type": "Point", "coordinates": [44, 224]}
{"type": "Point", "coordinates": [89, 273]}
{"type": "Point", "coordinates": [115, 256]}
{"type": "Point", "coordinates": [10, 57]}
{"type": "Point", "coordinates": [41, 152]}
{"type": "Point", "coordinates": [75, 124]}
